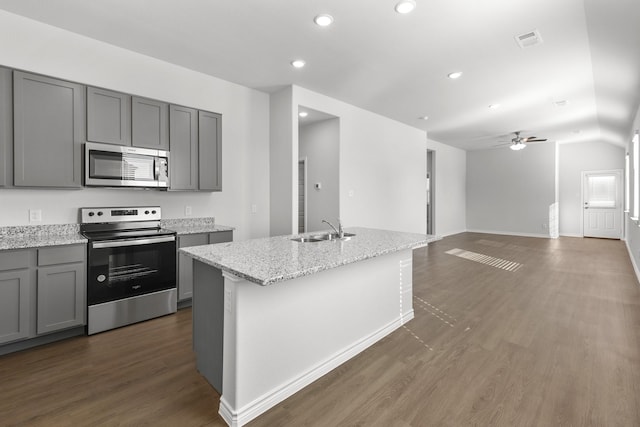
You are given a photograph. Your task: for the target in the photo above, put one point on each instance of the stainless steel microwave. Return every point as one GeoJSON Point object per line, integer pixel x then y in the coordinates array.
{"type": "Point", "coordinates": [118, 166]}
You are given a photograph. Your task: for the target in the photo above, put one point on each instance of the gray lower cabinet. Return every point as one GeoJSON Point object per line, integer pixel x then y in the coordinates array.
{"type": "Point", "coordinates": [16, 283]}
{"type": "Point", "coordinates": [14, 304]}
{"type": "Point", "coordinates": [185, 263]}
{"type": "Point", "coordinates": [108, 116]}
{"type": "Point", "coordinates": [6, 127]}
{"type": "Point", "coordinates": [48, 129]}
{"type": "Point", "coordinates": [183, 141]}
{"type": "Point", "coordinates": [149, 123]}
{"type": "Point", "coordinates": [210, 151]}
{"type": "Point", "coordinates": [41, 291]}
{"type": "Point", "coordinates": [61, 297]}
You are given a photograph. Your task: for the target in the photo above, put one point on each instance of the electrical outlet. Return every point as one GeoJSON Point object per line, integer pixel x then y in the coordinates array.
{"type": "Point", "coordinates": [35, 215]}
{"type": "Point", "coordinates": [351, 193]}
{"type": "Point", "coordinates": [187, 211]}
{"type": "Point", "coordinates": [545, 226]}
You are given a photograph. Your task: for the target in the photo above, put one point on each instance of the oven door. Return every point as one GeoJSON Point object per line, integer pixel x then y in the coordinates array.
{"type": "Point", "coordinates": [128, 267]}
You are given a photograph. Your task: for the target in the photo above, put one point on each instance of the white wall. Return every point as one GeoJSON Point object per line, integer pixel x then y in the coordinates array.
{"type": "Point", "coordinates": [573, 160]}
{"type": "Point", "coordinates": [509, 192]}
{"type": "Point", "coordinates": [283, 188]}
{"type": "Point", "coordinates": [319, 144]}
{"type": "Point", "coordinates": [29, 45]}
{"type": "Point", "coordinates": [451, 191]}
{"type": "Point", "coordinates": [382, 166]}
{"type": "Point", "coordinates": [632, 228]}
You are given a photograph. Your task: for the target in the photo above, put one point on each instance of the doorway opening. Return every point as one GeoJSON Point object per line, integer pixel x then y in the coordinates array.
{"type": "Point", "coordinates": [431, 190]}
{"type": "Point", "coordinates": [302, 195]}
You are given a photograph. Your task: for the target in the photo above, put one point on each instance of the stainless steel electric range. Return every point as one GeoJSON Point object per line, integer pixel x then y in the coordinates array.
{"type": "Point", "coordinates": [131, 266]}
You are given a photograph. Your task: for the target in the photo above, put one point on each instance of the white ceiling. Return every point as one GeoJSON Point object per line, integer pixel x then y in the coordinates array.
{"type": "Point", "coordinates": [397, 65]}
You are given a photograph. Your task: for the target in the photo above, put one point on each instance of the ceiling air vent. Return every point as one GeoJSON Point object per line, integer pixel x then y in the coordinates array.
{"type": "Point", "coordinates": [532, 38]}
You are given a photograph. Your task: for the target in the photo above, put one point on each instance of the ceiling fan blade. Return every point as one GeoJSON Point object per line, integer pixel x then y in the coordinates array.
{"type": "Point", "coordinates": [529, 138]}
{"type": "Point", "coordinates": [534, 140]}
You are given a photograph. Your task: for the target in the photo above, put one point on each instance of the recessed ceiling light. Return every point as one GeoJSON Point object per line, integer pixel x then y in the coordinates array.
{"type": "Point", "coordinates": [298, 63]}
{"type": "Point", "coordinates": [455, 75]}
{"type": "Point", "coordinates": [424, 118]}
{"type": "Point", "coordinates": [562, 103]}
{"type": "Point", "coordinates": [405, 6]}
{"type": "Point", "coordinates": [494, 106]}
{"type": "Point", "coordinates": [323, 20]}
{"type": "Point", "coordinates": [303, 114]}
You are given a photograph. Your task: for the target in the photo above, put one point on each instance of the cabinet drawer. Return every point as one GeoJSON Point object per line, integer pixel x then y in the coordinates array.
{"type": "Point", "coordinates": [13, 260]}
{"type": "Point", "coordinates": [192, 240]}
{"type": "Point", "coordinates": [221, 236]}
{"type": "Point", "coordinates": [61, 254]}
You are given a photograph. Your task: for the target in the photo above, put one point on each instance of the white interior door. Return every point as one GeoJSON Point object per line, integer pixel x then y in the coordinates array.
{"type": "Point", "coordinates": [602, 197]}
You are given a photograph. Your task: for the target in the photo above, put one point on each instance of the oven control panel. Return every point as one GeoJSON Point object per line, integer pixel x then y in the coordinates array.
{"type": "Point", "coordinates": [119, 214]}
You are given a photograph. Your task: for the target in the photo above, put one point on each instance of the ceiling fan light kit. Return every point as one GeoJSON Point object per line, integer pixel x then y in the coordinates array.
{"type": "Point", "coordinates": [517, 146]}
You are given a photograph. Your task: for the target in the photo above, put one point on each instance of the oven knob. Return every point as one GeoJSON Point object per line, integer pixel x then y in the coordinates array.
{"type": "Point", "coordinates": [146, 212]}
{"type": "Point", "coordinates": [91, 214]}
{"type": "Point", "coordinates": [153, 212]}
{"type": "Point", "coordinates": [101, 278]}
{"type": "Point", "coordinates": [100, 213]}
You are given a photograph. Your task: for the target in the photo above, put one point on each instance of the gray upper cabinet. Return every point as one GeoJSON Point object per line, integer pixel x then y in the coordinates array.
{"type": "Point", "coordinates": [210, 151]}
{"type": "Point", "coordinates": [108, 116]}
{"type": "Point", "coordinates": [48, 119]}
{"type": "Point", "coordinates": [150, 123]}
{"type": "Point", "coordinates": [6, 127]}
{"type": "Point", "coordinates": [183, 142]}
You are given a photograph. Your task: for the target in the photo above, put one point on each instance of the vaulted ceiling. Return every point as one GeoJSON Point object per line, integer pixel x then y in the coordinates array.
{"type": "Point", "coordinates": [582, 83]}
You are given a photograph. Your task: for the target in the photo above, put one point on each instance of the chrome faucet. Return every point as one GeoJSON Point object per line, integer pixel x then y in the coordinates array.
{"type": "Point", "coordinates": [339, 231]}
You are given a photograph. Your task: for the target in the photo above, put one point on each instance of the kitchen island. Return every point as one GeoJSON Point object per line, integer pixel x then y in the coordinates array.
{"type": "Point", "coordinates": [272, 315]}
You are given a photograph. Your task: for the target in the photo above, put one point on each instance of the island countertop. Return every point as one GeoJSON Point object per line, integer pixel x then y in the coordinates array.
{"type": "Point", "coordinates": [274, 259]}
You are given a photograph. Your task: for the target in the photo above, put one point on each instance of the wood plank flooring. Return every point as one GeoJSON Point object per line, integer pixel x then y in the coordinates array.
{"type": "Point", "coordinates": [554, 343]}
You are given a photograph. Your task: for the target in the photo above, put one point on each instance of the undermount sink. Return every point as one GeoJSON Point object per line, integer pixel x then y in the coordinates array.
{"type": "Point", "coordinates": [323, 237]}
{"type": "Point", "coordinates": [334, 236]}
{"type": "Point", "coordinates": [306, 239]}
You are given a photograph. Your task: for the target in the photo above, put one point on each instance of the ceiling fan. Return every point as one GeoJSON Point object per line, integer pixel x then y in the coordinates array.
{"type": "Point", "coordinates": [519, 143]}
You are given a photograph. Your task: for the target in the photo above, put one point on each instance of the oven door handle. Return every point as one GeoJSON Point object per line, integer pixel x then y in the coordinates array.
{"type": "Point", "coordinates": [132, 242]}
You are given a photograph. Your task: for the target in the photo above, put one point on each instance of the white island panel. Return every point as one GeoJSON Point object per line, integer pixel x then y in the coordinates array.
{"type": "Point", "coordinates": [280, 338]}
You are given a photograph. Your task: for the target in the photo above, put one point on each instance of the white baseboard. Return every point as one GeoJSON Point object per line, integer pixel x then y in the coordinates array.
{"type": "Point", "coordinates": [267, 401]}
{"type": "Point", "coordinates": [571, 235]}
{"type": "Point", "coordinates": [633, 261]}
{"type": "Point", "coordinates": [509, 233]}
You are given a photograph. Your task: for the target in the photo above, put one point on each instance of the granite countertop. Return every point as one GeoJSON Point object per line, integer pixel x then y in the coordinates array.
{"type": "Point", "coordinates": [275, 259]}
{"type": "Point", "coordinates": [34, 236]}
{"type": "Point", "coordinates": [194, 226]}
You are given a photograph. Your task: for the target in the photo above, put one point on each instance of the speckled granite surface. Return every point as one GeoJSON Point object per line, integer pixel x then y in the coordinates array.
{"type": "Point", "coordinates": [193, 225]}
{"type": "Point", "coordinates": [275, 259]}
{"type": "Point", "coordinates": [33, 236]}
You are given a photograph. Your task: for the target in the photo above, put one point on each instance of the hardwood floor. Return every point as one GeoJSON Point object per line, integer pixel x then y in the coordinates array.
{"type": "Point", "coordinates": [555, 342]}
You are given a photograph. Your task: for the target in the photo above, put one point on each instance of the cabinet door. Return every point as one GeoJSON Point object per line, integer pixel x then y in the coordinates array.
{"type": "Point", "coordinates": [183, 142]}
{"type": "Point", "coordinates": [149, 123]}
{"type": "Point", "coordinates": [185, 264]}
{"type": "Point", "coordinates": [210, 151]}
{"type": "Point", "coordinates": [14, 305]}
{"type": "Point", "coordinates": [6, 128]}
{"type": "Point", "coordinates": [61, 297]}
{"type": "Point", "coordinates": [108, 116]}
{"type": "Point", "coordinates": [48, 131]}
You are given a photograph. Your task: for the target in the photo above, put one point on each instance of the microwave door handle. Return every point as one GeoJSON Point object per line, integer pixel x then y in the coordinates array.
{"type": "Point", "coordinates": [156, 168]}
{"type": "Point", "coordinates": [136, 242]}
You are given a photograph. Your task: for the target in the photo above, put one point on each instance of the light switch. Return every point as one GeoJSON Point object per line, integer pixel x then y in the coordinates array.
{"type": "Point", "coordinates": [187, 211]}
{"type": "Point", "coordinates": [254, 208]}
